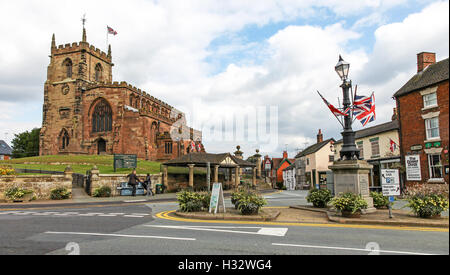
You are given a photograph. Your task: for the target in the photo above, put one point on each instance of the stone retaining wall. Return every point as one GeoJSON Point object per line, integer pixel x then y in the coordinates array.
{"type": "Point", "coordinates": [40, 184]}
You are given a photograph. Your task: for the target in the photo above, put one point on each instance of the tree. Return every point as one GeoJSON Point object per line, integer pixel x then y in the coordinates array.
{"type": "Point", "coordinates": [26, 144]}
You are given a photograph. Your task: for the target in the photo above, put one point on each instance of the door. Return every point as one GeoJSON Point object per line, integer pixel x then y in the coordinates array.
{"type": "Point", "coordinates": [101, 146]}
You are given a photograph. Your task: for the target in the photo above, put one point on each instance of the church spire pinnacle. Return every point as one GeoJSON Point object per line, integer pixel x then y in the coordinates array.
{"type": "Point", "coordinates": [109, 50]}
{"type": "Point", "coordinates": [53, 41]}
{"type": "Point", "coordinates": [84, 39]}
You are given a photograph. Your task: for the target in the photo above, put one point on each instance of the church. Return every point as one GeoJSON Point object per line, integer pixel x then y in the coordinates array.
{"type": "Point", "coordinates": [85, 112]}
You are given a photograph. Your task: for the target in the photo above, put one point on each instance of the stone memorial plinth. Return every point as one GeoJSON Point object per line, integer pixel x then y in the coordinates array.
{"type": "Point", "coordinates": [353, 176]}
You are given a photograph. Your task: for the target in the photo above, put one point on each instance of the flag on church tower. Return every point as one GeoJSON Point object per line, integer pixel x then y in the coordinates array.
{"type": "Point", "coordinates": [111, 30]}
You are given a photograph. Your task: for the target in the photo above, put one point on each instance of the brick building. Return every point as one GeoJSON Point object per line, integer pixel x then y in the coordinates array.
{"type": "Point", "coordinates": [422, 105]}
{"type": "Point", "coordinates": [85, 112]}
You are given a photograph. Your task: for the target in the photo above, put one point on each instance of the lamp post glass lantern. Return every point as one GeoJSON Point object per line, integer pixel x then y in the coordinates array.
{"type": "Point", "coordinates": [349, 149]}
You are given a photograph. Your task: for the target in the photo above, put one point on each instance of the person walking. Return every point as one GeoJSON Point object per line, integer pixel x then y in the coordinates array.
{"type": "Point", "coordinates": [133, 180]}
{"type": "Point", "coordinates": [148, 185]}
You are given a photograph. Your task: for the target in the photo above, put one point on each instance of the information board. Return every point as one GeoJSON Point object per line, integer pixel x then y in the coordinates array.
{"type": "Point", "coordinates": [217, 199]}
{"type": "Point", "coordinates": [413, 168]}
{"type": "Point", "coordinates": [125, 161]}
{"type": "Point", "coordinates": [390, 182]}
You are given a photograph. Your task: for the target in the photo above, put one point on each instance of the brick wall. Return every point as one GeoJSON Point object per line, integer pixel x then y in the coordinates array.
{"type": "Point", "coordinates": [413, 126]}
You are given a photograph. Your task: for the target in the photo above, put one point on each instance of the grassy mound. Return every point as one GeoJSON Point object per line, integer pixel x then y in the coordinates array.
{"type": "Point", "coordinates": [80, 164]}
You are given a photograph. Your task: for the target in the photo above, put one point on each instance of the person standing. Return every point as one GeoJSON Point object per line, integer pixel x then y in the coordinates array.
{"type": "Point", "coordinates": [148, 185]}
{"type": "Point", "coordinates": [133, 180]}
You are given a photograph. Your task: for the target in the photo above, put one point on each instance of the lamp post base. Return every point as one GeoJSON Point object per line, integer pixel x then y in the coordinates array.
{"type": "Point", "coordinates": [353, 176]}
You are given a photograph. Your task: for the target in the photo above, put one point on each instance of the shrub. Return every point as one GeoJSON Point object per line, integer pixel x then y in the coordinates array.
{"type": "Point", "coordinates": [280, 185]}
{"type": "Point", "coordinates": [319, 198]}
{"type": "Point", "coordinates": [192, 202]}
{"type": "Point", "coordinates": [60, 193]}
{"type": "Point", "coordinates": [428, 205]}
{"type": "Point", "coordinates": [16, 193]}
{"type": "Point", "coordinates": [7, 171]}
{"type": "Point", "coordinates": [349, 202]}
{"type": "Point", "coordinates": [250, 204]}
{"type": "Point", "coordinates": [379, 201]}
{"type": "Point", "coordinates": [102, 192]}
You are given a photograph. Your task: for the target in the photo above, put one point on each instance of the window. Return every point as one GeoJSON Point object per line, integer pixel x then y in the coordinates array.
{"type": "Point", "coordinates": [168, 148]}
{"type": "Point", "coordinates": [432, 127]}
{"type": "Point", "coordinates": [68, 66]}
{"type": "Point", "coordinates": [307, 161]}
{"type": "Point", "coordinates": [98, 72]}
{"type": "Point", "coordinates": [102, 117]}
{"type": "Point", "coordinates": [430, 100]}
{"type": "Point", "coordinates": [64, 140]}
{"type": "Point", "coordinates": [360, 146]}
{"type": "Point", "coordinates": [434, 162]}
{"type": "Point", "coordinates": [331, 158]}
{"type": "Point", "coordinates": [375, 146]}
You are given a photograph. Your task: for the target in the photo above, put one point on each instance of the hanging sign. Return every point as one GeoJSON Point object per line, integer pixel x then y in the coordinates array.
{"type": "Point", "coordinates": [413, 168]}
{"type": "Point", "coordinates": [217, 200]}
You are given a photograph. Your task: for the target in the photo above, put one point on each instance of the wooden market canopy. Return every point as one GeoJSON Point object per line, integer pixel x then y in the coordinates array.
{"type": "Point", "coordinates": [225, 160]}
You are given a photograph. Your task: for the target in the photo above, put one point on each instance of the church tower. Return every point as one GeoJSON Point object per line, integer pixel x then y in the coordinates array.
{"type": "Point", "coordinates": [73, 67]}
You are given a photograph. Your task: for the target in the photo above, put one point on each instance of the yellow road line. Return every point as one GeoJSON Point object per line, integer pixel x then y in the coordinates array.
{"type": "Point", "coordinates": [165, 215]}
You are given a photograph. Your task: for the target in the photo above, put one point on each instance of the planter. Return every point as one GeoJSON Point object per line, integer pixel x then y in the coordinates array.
{"type": "Point", "coordinates": [349, 214]}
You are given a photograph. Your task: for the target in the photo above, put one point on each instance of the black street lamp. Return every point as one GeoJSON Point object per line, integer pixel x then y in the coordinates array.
{"type": "Point", "coordinates": [349, 149]}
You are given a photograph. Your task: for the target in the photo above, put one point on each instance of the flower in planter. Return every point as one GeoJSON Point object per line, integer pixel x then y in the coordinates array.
{"type": "Point", "coordinates": [379, 201]}
{"type": "Point", "coordinates": [319, 198]}
{"type": "Point", "coordinates": [428, 205]}
{"type": "Point", "coordinates": [349, 202]}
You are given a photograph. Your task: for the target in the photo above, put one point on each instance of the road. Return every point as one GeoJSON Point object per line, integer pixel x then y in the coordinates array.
{"type": "Point", "coordinates": [136, 229]}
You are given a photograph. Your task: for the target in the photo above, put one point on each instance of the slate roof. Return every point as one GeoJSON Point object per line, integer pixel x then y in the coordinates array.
{"type": "Point", "coordinates": [375, 130]}
{"type": "Point", "coordinates": [201, 159]}
{"type": "Point", "coordinates": [431, 75]}
{"type": "Point", "coordinates": [313, 148]}
{"type": "Point", "coordinates": [5, 149]}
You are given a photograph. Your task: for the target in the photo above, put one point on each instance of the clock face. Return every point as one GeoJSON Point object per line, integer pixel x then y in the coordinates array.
{"type": "Point", "coordinates": [65, 89]}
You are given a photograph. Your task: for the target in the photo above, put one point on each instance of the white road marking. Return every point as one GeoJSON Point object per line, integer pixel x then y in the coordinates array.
{"type": "Point", "coordinates": [140, 214]}
{"type": "Point", "coordinates": [279, 232]}
{"type": "Point", "coordinates": [7, 213]}
{"type": "Point", "coordinates": [116, 213]}
{"type": "Point", "coordinates": [120, 235]}
{"type": "Point", "coordinates": [135, 201]}
{"type": "Point", "coordinates": [351, 249]}
{"type": "Point", "coordinates": [133, 216]}
{"type": "Point", "coordinates": [107, 215]}
{"type": "Point", "coordinates": [23, 213]}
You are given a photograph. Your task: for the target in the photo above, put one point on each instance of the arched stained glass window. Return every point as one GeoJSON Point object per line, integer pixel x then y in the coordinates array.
{"type": "Point", "coordinates": [102, 117]}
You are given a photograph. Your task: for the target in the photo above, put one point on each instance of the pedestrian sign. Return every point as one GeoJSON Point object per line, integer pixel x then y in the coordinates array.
{"type": "Point", "coordinates": [390, 182]}
{"type": "Point", "coordinates": [217, 199]}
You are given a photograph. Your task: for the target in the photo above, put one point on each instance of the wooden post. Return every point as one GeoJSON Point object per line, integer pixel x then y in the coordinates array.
{"type": "Point", "coordinates": [237, 178]}
{"type": "Point", "coordinates": [216, 173]}
{"type": "Point", "coordinates": [254, 177]}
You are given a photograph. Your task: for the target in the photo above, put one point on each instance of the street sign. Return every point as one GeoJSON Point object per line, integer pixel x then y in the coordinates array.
{"type": "Point", "coordinates": [268, 164]}
{"type": "Point", "coordinates": [125, 161]}
{"type": "Point", "coordinates": [217, 199]}
{"type": "Point", "coordinates": [413, 168]}
{"type": "Point", "coordinates": [390, 182]}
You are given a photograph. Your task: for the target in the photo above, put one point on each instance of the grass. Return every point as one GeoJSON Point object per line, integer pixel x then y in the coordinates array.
{"type": "Point", "coordinates": [81, 163]}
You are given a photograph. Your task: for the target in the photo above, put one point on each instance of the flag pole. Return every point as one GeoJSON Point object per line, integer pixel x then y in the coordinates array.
{"type": "Point", "coordinates": [353, 102]}
{"type": "Point", "coordinates": [107, 36]}
{"type": "Point", "coordinates": [332, 112]}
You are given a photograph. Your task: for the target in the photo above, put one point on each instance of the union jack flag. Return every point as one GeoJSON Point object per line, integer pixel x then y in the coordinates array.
{"type": "Point", "coordinates": [365, 111]}
{"type": "Point", "coordinates": [192, 146]}
{"type": "Point", "coordinates": [333, 109]}
{"type": "Point", "coordinates": [111, 30]}
{"type": "Point", "coordinates": [362, 102]}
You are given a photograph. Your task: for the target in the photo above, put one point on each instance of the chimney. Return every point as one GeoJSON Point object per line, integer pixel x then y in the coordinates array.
{"type": "Point", "coordinates": [425, 59]}
{"type": "Point", "coordinates": [285, 155]}
{"type": "Point", "coordinates": [319, 136]}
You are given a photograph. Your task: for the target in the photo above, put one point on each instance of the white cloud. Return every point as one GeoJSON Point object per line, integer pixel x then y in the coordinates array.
{"type": "Point", "coordinates": [163, 48]}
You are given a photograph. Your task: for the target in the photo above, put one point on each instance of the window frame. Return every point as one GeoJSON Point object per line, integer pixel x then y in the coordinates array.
{"type": "Point", "coordinates": [372, 142]}
{"type": "Point", "coordinates": [433, 166]}
{"type": "Point", "coordinates": [428, 131]}
{"type": "Point", "coordinates": [425, 100]}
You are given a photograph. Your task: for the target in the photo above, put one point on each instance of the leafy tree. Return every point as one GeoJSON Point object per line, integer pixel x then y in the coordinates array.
{"type": "Point", "coordinates": [26, 144]}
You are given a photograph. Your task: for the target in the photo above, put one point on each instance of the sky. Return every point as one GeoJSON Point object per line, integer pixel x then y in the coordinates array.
{"type": "Point", "coordinates": [248, 68]}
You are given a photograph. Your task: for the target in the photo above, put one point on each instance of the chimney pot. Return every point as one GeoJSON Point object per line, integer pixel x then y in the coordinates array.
{"type": "Point", "coordinates": [425, 59]}
{"type": "Point", "coordinates": [319, 136]}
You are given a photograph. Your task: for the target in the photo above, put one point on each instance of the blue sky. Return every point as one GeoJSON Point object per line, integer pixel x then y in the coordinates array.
{"type": "Point", "coordinates": [218, 58]}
